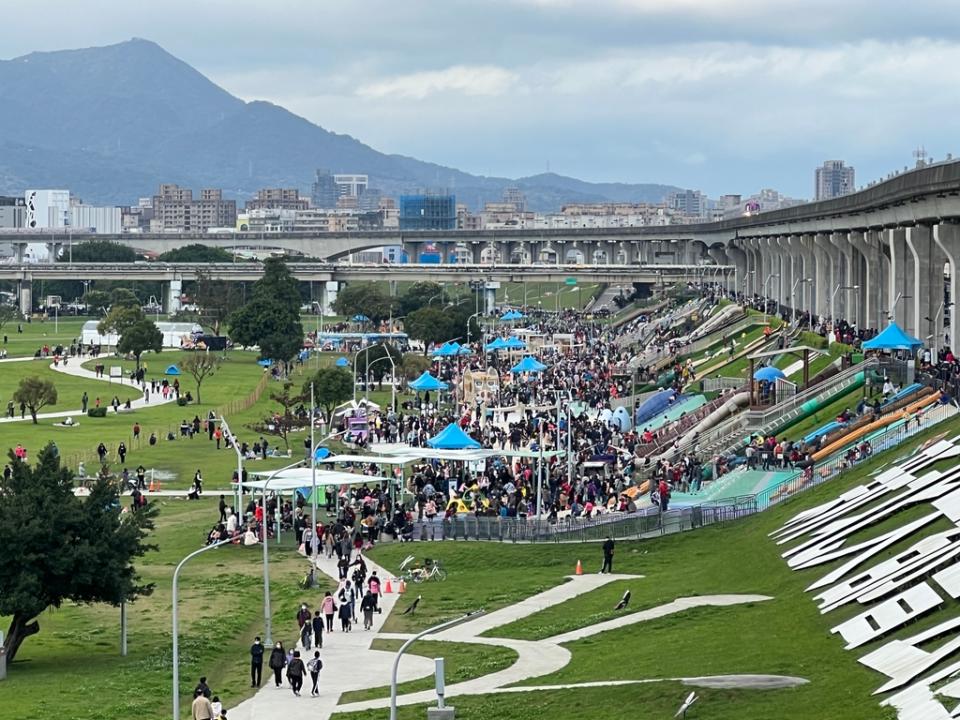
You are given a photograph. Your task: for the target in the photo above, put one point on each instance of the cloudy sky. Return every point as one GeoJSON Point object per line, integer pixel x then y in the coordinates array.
{"type": "Point", "coordinates": [721, 95]}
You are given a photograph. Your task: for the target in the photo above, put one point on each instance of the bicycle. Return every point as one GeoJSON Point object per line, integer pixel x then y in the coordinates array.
{"type": "Point", "coordinates": [430, 570]}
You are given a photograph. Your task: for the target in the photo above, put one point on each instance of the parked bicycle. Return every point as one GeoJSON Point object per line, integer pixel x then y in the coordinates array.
{"type": "Point", "coordinates": [412, 571]}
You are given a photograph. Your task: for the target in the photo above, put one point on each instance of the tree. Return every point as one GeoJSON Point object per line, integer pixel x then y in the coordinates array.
{"type": "Point", "coordinates": [82, 552]}
{"type": "Point", "coordinates": [120, 318]}
{"type": "Point", "coordinates": [196, 253]}
{"type": "Point", "coordinates": [419, 295]}
{"type": "Point", "coordinates": [96, 299]}
{"type": "Point", "coordinates": [216, 299]}
{"type": "Point", "coordinates": [331, 386]}
{"type": "Point", "coordinates": [102, 251]}
{"type": "Point", "coordinates": [374, 357]}
{"type": "Point", "coordinates": [283, 423]}
{"type": "Point", "coordinates": [363, 299]}
{"type": "Point", "coordinates": [123, 297]}
{"type": "Point", "coordinates": [271, 319]}
{"type": "Point", "coordinates": [413, 366]}
{"type": "Point", "coordinates": [36, 393]}
{"type": "Point", "coordinates": [200, 365]}
{"type": "Point", "coordinates": [431, 325]}
{"type": "Point", "coordinates": [143, 335]}
{"type": "Point", "coordinates": [8, 313]}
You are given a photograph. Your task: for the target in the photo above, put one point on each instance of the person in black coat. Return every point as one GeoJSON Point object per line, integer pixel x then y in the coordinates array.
{"type": "Point", "coordinates": [317, 629]}
{"type": "Point", "coordinates": [607, 556]}
{"type": "Point", "coordinates": [278, 660]}
{"type": "Point", "coordinates": [256, 662]}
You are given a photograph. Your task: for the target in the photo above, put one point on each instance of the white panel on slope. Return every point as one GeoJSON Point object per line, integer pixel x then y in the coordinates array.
{"type": "Point", "coordinates": [888, 615]}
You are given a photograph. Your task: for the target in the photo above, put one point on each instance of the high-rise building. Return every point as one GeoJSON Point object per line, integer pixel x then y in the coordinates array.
{"type": "Point", "coordinates": [47, 209]}
{"type": "Point", "coordinates": [689, 202]}
{"type": "Point", "coordinates": [12, 212]}
{"type": "Point", "coordinates": [428, 212]}
{"type": "Point", "coordinates": [324, 191]}
{"type": "Point", "coordinates": [351, 185]}
{"type": "Point", "coordinates": [833, 179]}
{"type": "Point", "coordinates": [278, 199]}
{"type": "Point", "coordinates": [175, 209]}
{"type": "Point", "coordinates": [515, 197]}
{"type": "Point", "coordinates": [101, 220]}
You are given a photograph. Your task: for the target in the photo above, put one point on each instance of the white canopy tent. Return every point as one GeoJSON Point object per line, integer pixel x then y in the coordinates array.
{"type": "Point", "coordinates": [297, 478]}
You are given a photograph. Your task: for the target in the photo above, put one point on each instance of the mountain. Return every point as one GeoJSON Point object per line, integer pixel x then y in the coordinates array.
{"type": "Point", "coordinates": [111, 123]}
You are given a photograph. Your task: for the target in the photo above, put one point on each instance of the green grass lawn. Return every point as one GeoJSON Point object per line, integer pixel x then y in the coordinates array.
{"type": "Point", "coordinates": [463, 661]}
{"type": "Point", "coordinates": [544, 295]}
{"type": "Point", "coordinates": [73, 668]}
{"type": "Point", "coordinates": [38, 333]}
{"type": "Point", "coordinates": [786, 635]}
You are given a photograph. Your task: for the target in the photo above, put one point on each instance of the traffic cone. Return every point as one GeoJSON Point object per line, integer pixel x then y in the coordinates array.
{"type": "Point", "coordinates": [579, 568]}
{"type": "Point", "coordinates": [151, 489]}
{"type": "Point", "coordinates": [389, 588]}
{"type": "Point", "coordinates": [402, 588]}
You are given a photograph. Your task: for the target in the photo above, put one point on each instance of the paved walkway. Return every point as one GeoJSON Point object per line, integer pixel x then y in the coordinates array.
{"type": "Point", "coordinates": [74, 368]}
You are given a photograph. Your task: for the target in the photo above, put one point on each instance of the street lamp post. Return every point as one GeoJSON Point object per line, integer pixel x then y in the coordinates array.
{"type": "Point", "coordinates": [837, 289]}
{"type": "Point", "coordinates": [238, 494]}
{"type": "Point", "coordinates": [408, 643]}
{"type": "Point", "coordinates": [176, 623]}
{"type": "Point", "coordinates": [793, 296]}
{"type": "Point", "coordinates": [267, 618]}
{"type": "Point", "coordinates": [356, 357]}
{"type": "Point", "coordinates": [393, 377]}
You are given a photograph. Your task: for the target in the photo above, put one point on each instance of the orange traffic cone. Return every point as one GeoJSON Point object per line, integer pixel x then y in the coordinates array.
{"type": "Point", "coordinates": [388, 588]}
{"type": "Point", "coordinates": [151, 485]}
{"type": "Point", "coordinates": [579, 568]}
{"type": "Point", "coordinates": [402, 588]}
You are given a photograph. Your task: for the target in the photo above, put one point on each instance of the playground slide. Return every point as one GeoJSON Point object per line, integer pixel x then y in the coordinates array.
{"type": "Point", "coordinates": [882, 422]}
{"type": "Point", "coordinates": [715, 321]}
{"type": "Point", "coordinates": [675, 411]}
{"type": "Point", "coordinates": [654, 405]}
{"type": "Point", "coordinates": [730, 407]}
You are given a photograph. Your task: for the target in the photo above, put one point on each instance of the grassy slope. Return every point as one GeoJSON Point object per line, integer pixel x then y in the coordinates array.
{"type": "Point", "coordinates": [785, 636]}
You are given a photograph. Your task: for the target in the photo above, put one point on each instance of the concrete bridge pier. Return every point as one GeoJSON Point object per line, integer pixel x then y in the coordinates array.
{"type": "Point", "coordinates": [174, 290]}
{"type": "Point", "coordinates": [19, 251]}
{"type": "Point", "coordinates": [25, 295]}
{"type": "Point", "coordinates": [821, 277]}
{"type": "Point", "coordinates": [843, 275]}
{"type": "Point", "coordinates": [328, 294]}
{"type": "Point", "coordinates": [738, 258]}
{"type": "Point", "coordinates": [927, 283]}
{"type": "Point", "coordinates": [897, 248]}
{"type": "Point", "coordinates": [867, 276]}
{"type": "Point", "coordinates": [490, 297]}
{"type": "Point", "coordinates": [947, 237]}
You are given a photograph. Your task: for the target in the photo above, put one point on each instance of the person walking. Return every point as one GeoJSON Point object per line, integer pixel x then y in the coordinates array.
{"type": "Point", "coordinates": [329, 607]}
{"type": "Point", "coordinates": [222, 507]}
{"type": "Point", "coordinates": [295, 673]}
{"type": "Point", "coordinates": [607, 556]}
{"type": "Point", "coordinates": [374, 585]}
{"type": "Point", "coordinates": [278, 660]}
{"type": "Point", "coordinates": [306, 634]}
{"type": "Point", "coordinates": [203, 687]}
{"type": "Point", "coordinates": [317, 623]}
{"type": "Point", "coordinates": [315, 666]}
{"type": "Point", "coordinates": [201, 709]}
{"type": "Point", "coordinates": [198, 482]}
{"type": "Point", "coordinates": [368, 604]}
{"type": "Point", "coordinates": [256, 662]}
{"type": "Point", "coordinates": [345, 616]}
{"type": "Point", "coordinates": [122, 451]}
{"type": "Point", "coordinates": [84, 401]}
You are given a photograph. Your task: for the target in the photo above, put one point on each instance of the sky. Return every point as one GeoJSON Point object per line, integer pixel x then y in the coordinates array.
{"type": "Point", "coordinates": [726, 96]}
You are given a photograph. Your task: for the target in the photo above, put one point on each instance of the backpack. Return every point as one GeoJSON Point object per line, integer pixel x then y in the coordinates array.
{"type": "Point", "coordinates": [315, 665]}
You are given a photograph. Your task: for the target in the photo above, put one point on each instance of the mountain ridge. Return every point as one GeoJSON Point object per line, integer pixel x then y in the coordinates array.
{"type": "Point", "coordinates": [113, 122]}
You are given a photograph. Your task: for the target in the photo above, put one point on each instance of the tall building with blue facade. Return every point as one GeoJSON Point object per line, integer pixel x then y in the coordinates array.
{"type": "Point", "coordinates": [428, 212]}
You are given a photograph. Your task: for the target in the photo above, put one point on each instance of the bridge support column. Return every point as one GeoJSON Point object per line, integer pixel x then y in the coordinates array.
{"type": "Point", "coordinates": [822, 278]}
{"type": "Point", "coordinates": [328, 294]}
{"type": "Point", "coordinates": [739, 259]}
{"type": "Point", "coordinates": [174, 290]}
{"type": "Point", "coordinates": [947, 237]}
{"type": "Point", "coordinates": [927, 283]}
{"type": "Point", "coordinates": [26, 296]}
{"type": "Point", "coordinates": [490, 297]}
{"type": "Point", "coordinates": [897, 246]}
{"type": "Point", "coordinates": [19, 251]}
{"type": "Point", "coordinates": [843, 275]}
{"type": "Point", "coordinates": [867, 276]}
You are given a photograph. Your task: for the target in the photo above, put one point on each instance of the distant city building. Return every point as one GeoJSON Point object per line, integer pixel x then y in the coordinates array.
{"type": "Point", "coordinates": [833, 179]}
{"type": "Point", "coordinates": [351, 185]}
{"type": "Point", "coordinates": [467, 220]}
{"type": "Point", "coordinates": [176, 210]}
{"type": "Point", "coordinates": [102, 220]}
{"type": "Point", "coordinates": [278, 199]}
{"type": "Point", "coordinates": [428, 212]}
{"type": "Point", "coordinates": [370, 200]}
{"type": "Point", "coordinates": [324, 191]}
{"type": "Point", "coordinates": [12, 212]}
{"type": "Point", "coordinates": [325, 220]}
{"type": "Point", "coordinates": [515, 197]}
{"type": "Point", "coordinates": [46, 209]}
{"type": "Point", "coordinates": [688, 202]}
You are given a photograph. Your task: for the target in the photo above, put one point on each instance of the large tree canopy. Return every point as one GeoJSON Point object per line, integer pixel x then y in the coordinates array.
{"type": "Point", "coordinates": [433, 324]}
{"type": "Point", "coordinates": [143, 335]}
{"type": "Point", "coordinates": [36, 393]}
{"type": "Point", "coordinates": [419, 295]}
{"type": "Point", "coordinates": [99, 251]}
{"type": "Point", "coordinates": [331, 386]}
{"type": "Point", "coordinates": [271, 319]}
{"type": "Point", "coordinates": [120, 318]}
{"type": "Point", "coordinates": [363, 299]}
{"type": "Point", "coordinates": [60, 548]}
{"type": "Point", "coordinates": [196, 253]}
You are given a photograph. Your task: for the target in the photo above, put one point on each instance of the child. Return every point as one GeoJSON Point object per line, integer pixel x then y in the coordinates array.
{"type": "Point", "coordinates": [217, 706]}
{"type": "Point", "coordinates": [315, 666]}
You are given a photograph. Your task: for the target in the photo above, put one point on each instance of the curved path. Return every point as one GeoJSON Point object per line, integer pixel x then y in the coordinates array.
{"type": "Point", "coordinates": [78, 371]}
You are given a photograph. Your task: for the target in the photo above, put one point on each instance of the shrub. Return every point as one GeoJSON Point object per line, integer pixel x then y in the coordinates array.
{"type": "Point", "coordinates": [182, 401]}
{"type": "Point", "coordinates": [97, 412]}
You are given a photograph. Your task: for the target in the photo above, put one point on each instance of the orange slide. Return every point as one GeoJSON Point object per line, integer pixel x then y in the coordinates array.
{"type": "Point", "coordinates": [903, 414]}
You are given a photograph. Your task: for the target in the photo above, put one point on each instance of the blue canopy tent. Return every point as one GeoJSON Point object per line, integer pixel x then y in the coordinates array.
{"type": "Point", "coordinates": [450, 349]}
{"type": "Point", "coordinates": [172, 370]}
{"type": "Point", "coordinates": [452, 438]}
{"type": "Point", "coordinates": [498, 344]}
{"type": "Point", "coordinates": [511, 315]}
{"type": "Point", "coordinates": [359, 318]}
{"type": "Point", "coordinates": [266, 362]}
{"type": "Point", "coordinates": [893, 338]}
{"type": "Point", "coordinates": [427, 382]}
{"type": "Point", "coordinates": [342, 362]}
{"type": "Point", "coordinates": [768, 374]}
{"type": "Point", "coordinates": [515, 343]}
{"type": "Point", "coordinates": [528, 365]}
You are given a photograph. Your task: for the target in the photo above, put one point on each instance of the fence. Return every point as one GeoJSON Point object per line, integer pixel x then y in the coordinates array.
{"type": "Point", "coordinates": [615, 525]}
